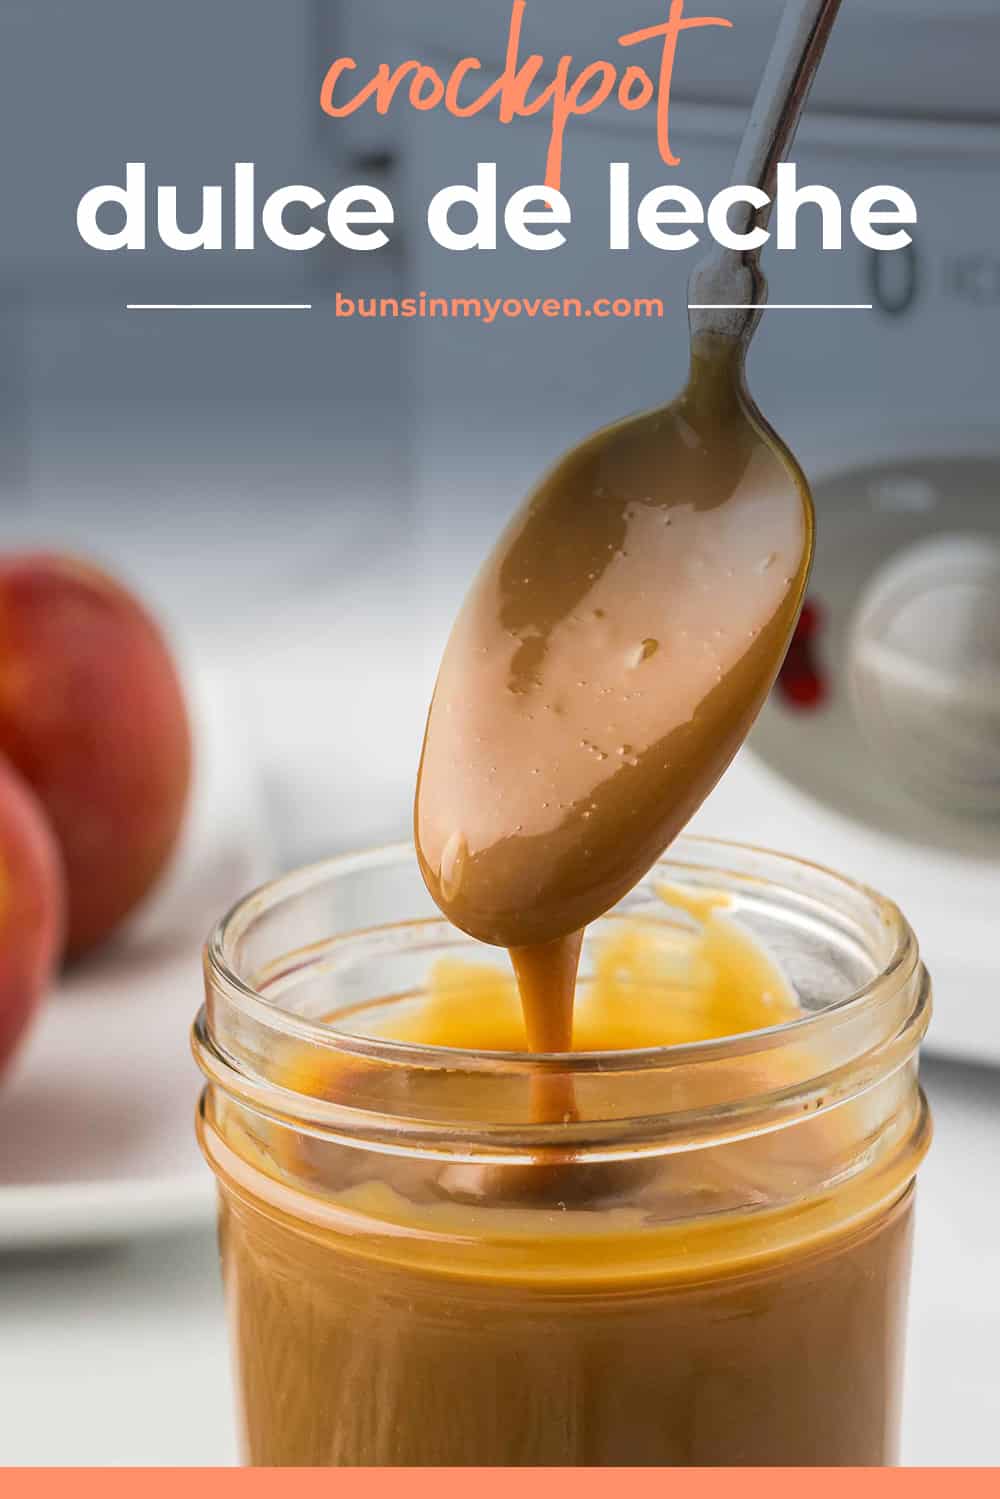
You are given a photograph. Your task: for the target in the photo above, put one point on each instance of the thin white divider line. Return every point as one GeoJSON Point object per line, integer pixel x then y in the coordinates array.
{"type": "Point", "coordinates": [781, 306]}
{"type": "Point", "coordinates": [218, 306]}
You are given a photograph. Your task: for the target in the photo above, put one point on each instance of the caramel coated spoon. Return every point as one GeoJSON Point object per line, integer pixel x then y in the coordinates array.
{"type": "Point", "coordinates": [621, 639]}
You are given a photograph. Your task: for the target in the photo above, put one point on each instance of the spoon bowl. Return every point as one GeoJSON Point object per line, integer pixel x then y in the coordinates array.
{"type": "Point", "coordinates": [610, 659]}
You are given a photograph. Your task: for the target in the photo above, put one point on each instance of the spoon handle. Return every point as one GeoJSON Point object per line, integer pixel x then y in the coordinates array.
{"type": "Point", "coordinates": [728, 287]}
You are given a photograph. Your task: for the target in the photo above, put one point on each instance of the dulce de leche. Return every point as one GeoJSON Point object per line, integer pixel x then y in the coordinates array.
{"type": "Point", "coordinates": [714, 1273]}
{"type": "Point", "coordinates": [608, 662]}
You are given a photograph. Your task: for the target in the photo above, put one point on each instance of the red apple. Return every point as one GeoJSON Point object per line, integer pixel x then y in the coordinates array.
{"type": "Point", "coordinates": [92, 715]}
{"type": "Point", "coordinates": [32, 908]}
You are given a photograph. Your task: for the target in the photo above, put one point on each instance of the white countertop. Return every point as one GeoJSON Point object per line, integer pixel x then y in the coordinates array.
{"type": "Point", "coordinates": [119, 1358]}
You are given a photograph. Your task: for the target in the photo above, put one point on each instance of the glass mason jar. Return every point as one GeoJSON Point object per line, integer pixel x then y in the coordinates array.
{"type": "Point", "coordinates": [708, 1266]}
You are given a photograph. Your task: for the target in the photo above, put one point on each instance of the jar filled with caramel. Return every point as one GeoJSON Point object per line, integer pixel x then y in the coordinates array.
{"type": "Point", "coordinates": [685, 1242]}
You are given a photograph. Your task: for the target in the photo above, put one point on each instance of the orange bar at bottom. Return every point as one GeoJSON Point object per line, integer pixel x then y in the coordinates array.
{"type": "Point", "coordinates": [500, 1483]}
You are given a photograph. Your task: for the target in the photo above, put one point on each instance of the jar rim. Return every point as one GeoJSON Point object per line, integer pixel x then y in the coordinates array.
{"type": "Point", "coordinates": [221, 970]}
{"type": "Point", "coordinates": [862, 1037]}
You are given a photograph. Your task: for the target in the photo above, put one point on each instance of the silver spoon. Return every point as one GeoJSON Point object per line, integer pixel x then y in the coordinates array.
{"type": "Point", "coordinates": [617, 645]}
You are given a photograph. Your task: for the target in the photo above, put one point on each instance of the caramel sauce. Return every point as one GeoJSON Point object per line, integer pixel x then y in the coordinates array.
{"type": "Point", "coordinates": [655, 982]}
{"type": "Point", "coordinates": [607, 664]}
{"type": "Point", "coordinates": [399, 1311]}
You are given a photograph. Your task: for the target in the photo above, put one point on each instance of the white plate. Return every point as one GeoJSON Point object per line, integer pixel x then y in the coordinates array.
{"type": "Point", "coordinates": [97, 1117]}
